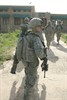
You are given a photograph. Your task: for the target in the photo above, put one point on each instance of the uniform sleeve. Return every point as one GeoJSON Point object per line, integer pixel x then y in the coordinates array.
{"type": "Point", "coordinates": [39, 48]}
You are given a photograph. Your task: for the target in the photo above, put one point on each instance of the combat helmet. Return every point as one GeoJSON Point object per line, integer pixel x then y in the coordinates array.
{"type": "Point", "coordinates": [26, 20]}
{"type": "Point", "coordinates": [23, 27]}
{"type": "Point", "coordinates": [59, 21]}
{"type": "Point", "coordinates": [53, 21]}
{"type": "Point", "coordinates": [34, 22]}
{"type": "Point", "coordinates": [49, 22]}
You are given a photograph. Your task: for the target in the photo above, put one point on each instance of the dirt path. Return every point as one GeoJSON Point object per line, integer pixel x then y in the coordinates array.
{"type": "Point", "coordinates": [53, 87]}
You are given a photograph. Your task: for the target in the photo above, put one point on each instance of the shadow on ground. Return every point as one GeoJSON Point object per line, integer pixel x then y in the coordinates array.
{"type": "Point", "coordinates": [59, 47]}
{"type": "Point", "coordinates": [51, 56]}
{"type": "Point", "coordinates": [19, 94]}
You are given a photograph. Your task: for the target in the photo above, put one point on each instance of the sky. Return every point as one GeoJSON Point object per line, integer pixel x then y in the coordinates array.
{"type": "Point", "coordinates": [52, 6]}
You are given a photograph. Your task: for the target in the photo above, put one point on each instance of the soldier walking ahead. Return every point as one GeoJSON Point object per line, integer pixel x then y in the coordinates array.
{"type": "Point", "coordinates": [58, 31]}
{"type": "Point", "coordinates": [49, 33]}
{"type": "Point", "coordinates": [32, 50]}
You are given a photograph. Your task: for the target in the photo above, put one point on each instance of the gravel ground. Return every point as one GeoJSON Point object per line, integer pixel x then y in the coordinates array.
{"type": "Point", "coordinates": [52, 87]}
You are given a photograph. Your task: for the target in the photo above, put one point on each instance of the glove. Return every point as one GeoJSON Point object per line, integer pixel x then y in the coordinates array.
{"type": "Point", "coordinates": [44, 65]}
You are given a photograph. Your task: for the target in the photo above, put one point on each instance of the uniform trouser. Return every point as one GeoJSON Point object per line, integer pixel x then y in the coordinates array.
{"type": "Point", "coordinates": [58, 36]}
{"type": "Point", "coordinates": [49, 38]}
{"type": "Point", "coordinates": [49, 41]}
{"type": "Point", "coordinates": [31, 77]}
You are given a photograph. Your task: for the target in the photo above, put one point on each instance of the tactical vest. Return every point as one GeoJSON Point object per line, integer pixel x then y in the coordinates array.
{"type": "Point", "coordinates": [26, 49]}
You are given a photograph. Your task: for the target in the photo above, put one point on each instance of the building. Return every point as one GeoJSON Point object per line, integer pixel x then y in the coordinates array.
{"type": "Point", "coordinates": [12, 16]}
{"type": "Point", "coordinates": [44, 16]}
{"type": "Point", "coordinates": [63, 18]}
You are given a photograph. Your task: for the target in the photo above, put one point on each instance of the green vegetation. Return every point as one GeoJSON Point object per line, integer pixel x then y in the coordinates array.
{"type": "Point", "coordinates": [64, 37]}
{"type": "Point", "coordinates": [8, 43]}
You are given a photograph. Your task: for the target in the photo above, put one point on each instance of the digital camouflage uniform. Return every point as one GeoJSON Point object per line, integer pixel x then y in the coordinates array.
{"type": "Point", "coordinates": [31, 53]}
{"type": "Point", "coordinates": [58, 31]}
{"type": "Point", "coordinates": [54, 27]}
{"type": "Point", "coordinates": [49, 33]}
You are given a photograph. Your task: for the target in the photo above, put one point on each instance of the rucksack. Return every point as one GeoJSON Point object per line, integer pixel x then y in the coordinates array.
{"type": "Point", "coordinates": [19, 48]}
{"type": "Point", "coordinates": [22, 41]}
{"type": "Point", "coordinates": [59, 28]}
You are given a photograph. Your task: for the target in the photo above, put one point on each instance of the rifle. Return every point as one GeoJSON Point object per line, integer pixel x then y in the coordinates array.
{"type": "Point", "coordinates": [44, 65]}
{"type": "Point", "coordinates": [14, 66]}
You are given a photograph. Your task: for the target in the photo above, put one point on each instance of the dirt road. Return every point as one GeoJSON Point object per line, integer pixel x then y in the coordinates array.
{"type": "Point", "coordinates": [53, 87]}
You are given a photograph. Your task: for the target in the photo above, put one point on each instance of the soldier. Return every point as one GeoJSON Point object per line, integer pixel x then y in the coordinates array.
{"type": "Point", "coordinates": [26, 20]}
{"type": "Point", "coordinates": [23, 30]}
{"type": "Point", "coordinates": [54, 26]}
{"type": "Point", "coordinates": [58, 31]}
{"type": "Point", "coordinates": [32, 50]}
{"type": "Point", "coordinates": [49, 33]}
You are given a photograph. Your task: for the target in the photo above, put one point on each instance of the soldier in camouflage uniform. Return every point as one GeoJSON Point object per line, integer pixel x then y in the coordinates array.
{"type": "Point", "coordinates": [23, 30]}
{"type": "Point", "coordinates": [49, 33]}
{"type": "Point", "coordinates": [58, 31]}
{"type": "Point", "coordinates": [54, 26]}
{"type": "Point", "coordinates": [31, 53]}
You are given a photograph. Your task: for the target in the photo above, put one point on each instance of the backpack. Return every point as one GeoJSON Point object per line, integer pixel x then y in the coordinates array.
{"type": "Point", "coordinates": [22, 41]}
{"type": "Point", "coordinates": [19, 48]}
{"type": "Point", "coordinates": [59, 28]}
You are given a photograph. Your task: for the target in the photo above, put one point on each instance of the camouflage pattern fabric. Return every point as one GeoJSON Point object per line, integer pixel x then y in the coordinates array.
{"type": "Point", "coordinates": [36, 50]}
{"type": "Point", "coordinates": [31, 77]}
{"type": "Point", "coordinates": [58, 32]}
{"type": "Point", "coordinates": [49, 34]}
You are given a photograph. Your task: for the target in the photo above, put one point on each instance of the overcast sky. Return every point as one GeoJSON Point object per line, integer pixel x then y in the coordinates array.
{"type": "Point", "coordinates": [52, 6]}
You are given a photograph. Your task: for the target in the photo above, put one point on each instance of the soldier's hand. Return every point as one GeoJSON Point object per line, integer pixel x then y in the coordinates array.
{"type": "Point", "coordinates": [44, 66]}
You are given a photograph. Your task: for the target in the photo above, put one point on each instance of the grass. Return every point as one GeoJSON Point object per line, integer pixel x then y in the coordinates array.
{"type": "Point", "coordinates": [64, 37]}
{"type": "Point", "coordinates": [8, 42]}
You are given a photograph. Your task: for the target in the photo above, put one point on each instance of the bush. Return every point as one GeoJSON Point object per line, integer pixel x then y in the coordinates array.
{"type": "Point", "coordinates": [8, 42]}
{"type": "Point", "coordinates": [64, 37]}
